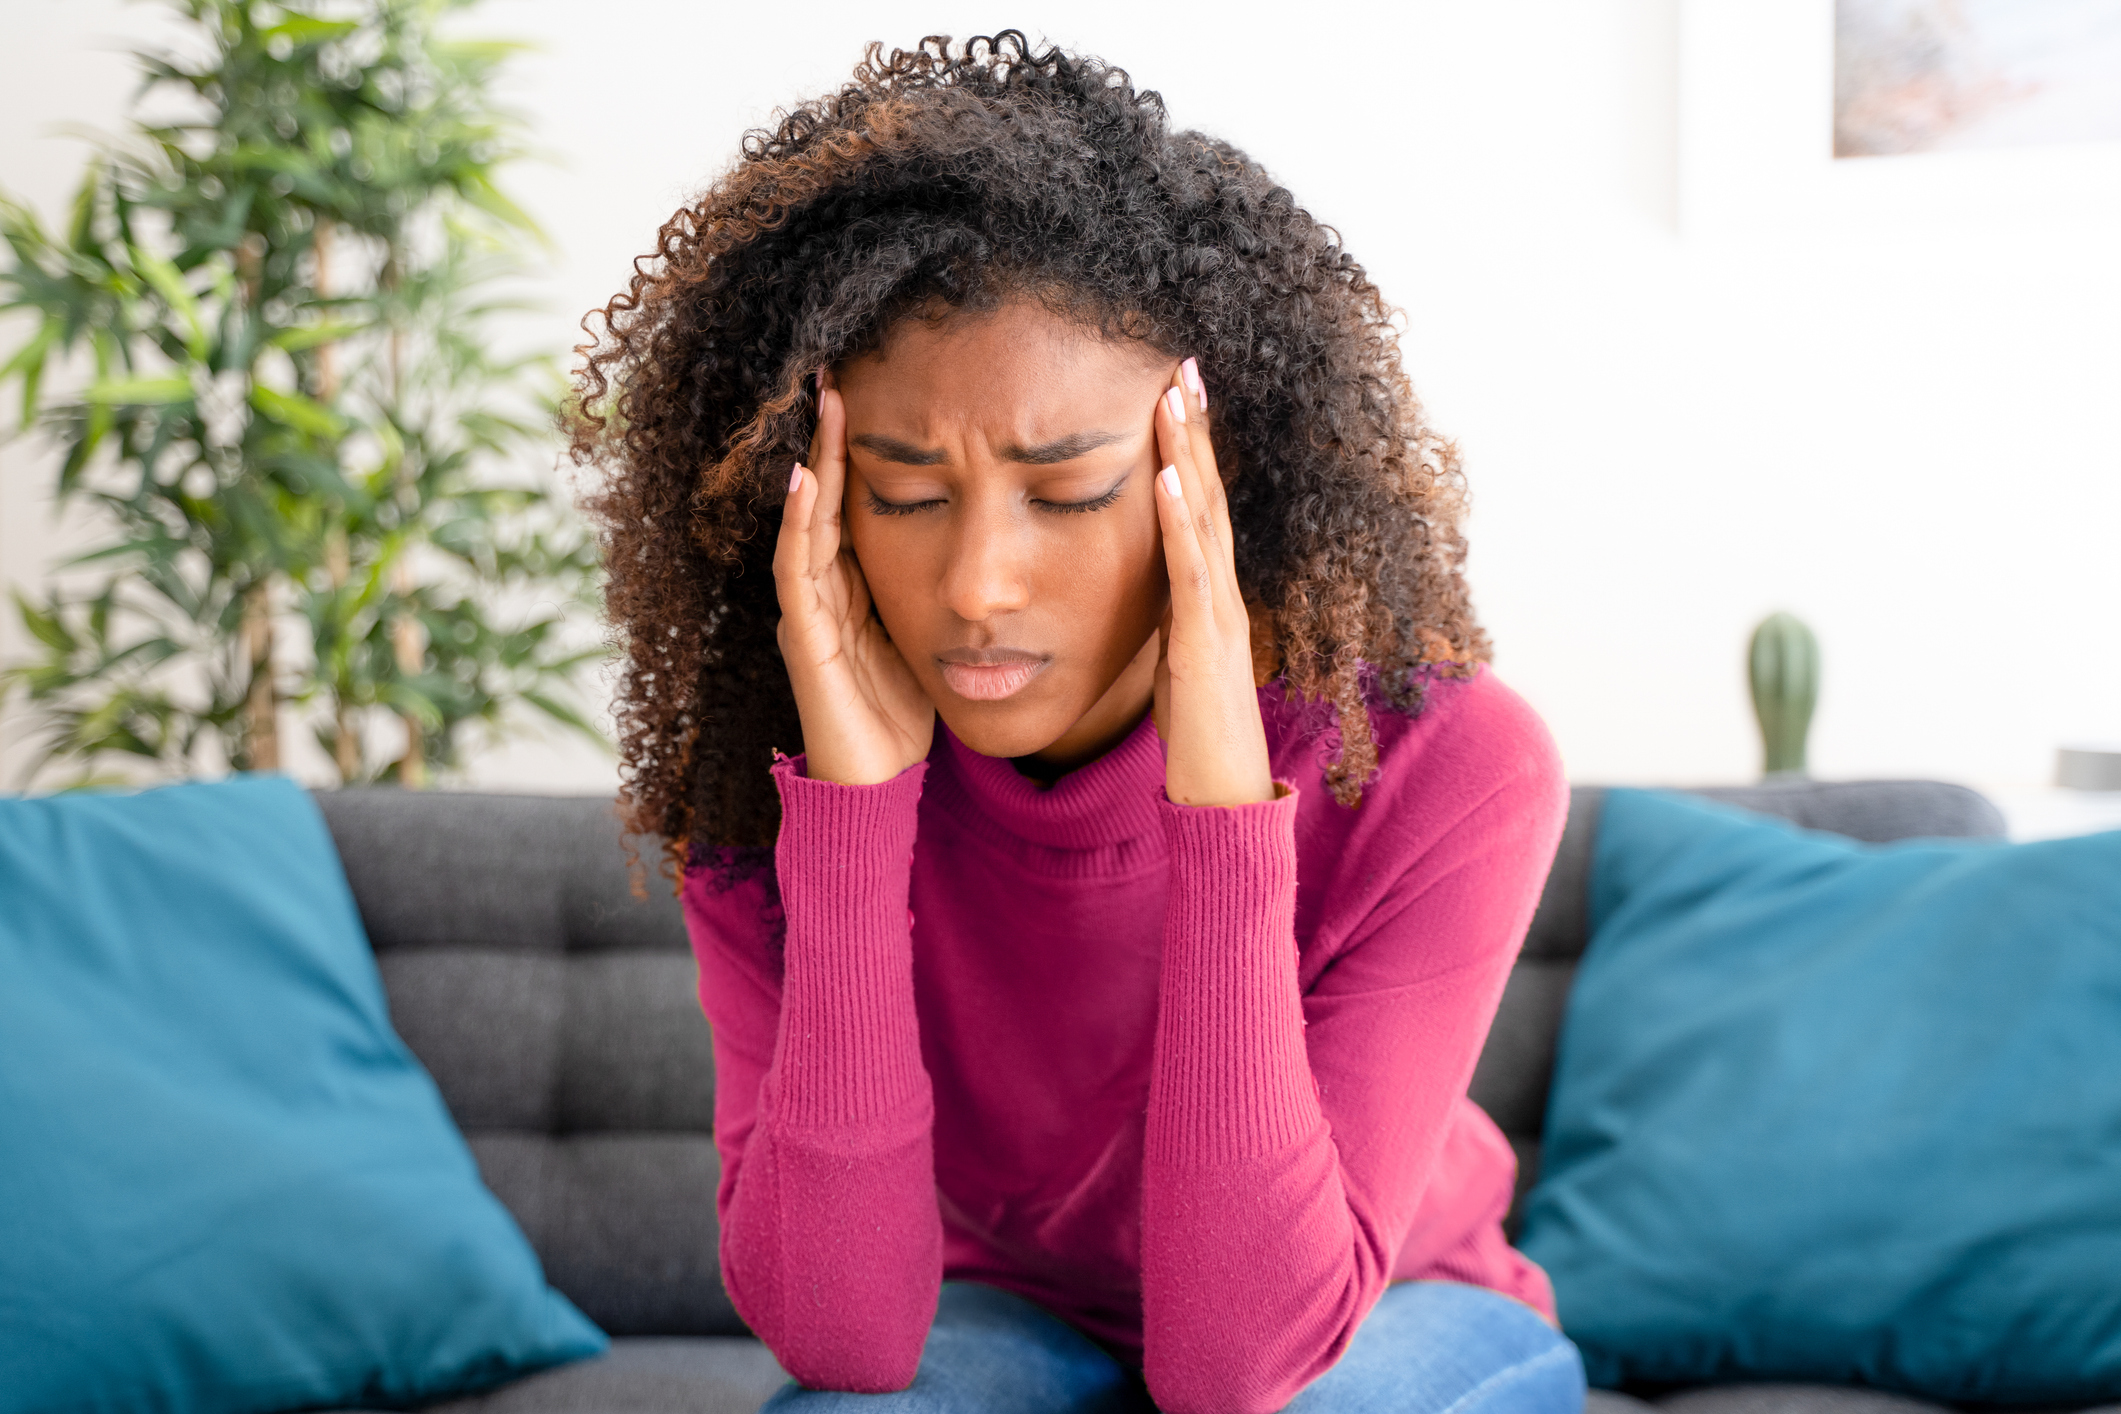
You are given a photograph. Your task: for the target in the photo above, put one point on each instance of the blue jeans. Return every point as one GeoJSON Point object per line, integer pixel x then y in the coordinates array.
{"type": "Point", "coordinates": [1428, 1347]}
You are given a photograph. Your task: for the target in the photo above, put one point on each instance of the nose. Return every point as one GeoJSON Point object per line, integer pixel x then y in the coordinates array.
{"type": "Point", "coordinates": [985, 575]}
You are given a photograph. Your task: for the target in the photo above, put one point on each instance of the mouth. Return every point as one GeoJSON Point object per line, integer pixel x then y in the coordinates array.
{"type": "Point", "coordinates": [989, 675]}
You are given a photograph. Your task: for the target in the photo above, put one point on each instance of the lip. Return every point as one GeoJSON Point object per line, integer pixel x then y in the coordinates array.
{"type": "Point", "coordinates": [989, 674]}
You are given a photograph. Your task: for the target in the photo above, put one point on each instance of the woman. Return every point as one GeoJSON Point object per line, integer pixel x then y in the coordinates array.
{"type": "Point", "coordinates": [1097, 1028]}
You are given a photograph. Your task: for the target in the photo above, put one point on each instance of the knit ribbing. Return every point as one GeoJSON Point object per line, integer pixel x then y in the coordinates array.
{"type": "Point", "coordinates": [1231, 1080]}
{"type": "Point", "coordinates": [1120, 1064]}
{"type": "Point", "coordinates": [1109, 802]}
{"type": "Point", "coordinates": [849, 1045]}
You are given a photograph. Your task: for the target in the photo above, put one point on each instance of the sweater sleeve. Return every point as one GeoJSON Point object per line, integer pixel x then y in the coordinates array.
{"type": "Point", "coordinates": [831, 1240]}
{"type": "Point", "coordinates": [1291, 1135]}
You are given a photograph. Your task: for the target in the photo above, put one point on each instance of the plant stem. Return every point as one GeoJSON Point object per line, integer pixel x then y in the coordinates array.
{"type": "Point", "coordinates": [410, 645]}
{"type": "Point", "coordinates": [345, 739]}
{"type": "Point", "coordinates": [320, 279]}
{"type": "Point", "coordinates": [261, 709]}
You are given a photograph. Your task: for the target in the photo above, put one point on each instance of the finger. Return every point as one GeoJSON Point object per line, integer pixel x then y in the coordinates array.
{"type": "Point", "coordinates": [1203, 444]}
{"type": "Point", "coordinates": [1204, 485]}
{"type": "Point", "coordinates": [1185, 560]}
{"type": "Point", "coordinates": [1189, 371]}
{"type": "Point", "coordinates": [1175, 434]}
{"type": "Point", "coordinates": [829, 461]}
{"type": "Point", "coordinates": [791, 549]}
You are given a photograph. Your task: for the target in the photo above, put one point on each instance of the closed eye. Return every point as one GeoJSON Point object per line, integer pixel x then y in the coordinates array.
{"type": "Point", "coordinates": [879, 506]}
{"type": "Point", "coordinates": [1095, 503]}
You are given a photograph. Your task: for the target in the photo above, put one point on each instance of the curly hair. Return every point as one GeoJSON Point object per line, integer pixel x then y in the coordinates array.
{"type": "Point", "coordinates": [956, 177]}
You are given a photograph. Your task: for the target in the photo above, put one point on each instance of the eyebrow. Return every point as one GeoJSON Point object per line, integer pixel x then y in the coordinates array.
{"type": "Point", "coordinates": [1061, 449]}
{"type": "Point", "coordinates": [893, 450]}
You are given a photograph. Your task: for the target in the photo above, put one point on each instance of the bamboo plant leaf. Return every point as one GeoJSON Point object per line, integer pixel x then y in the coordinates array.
{"type": "Point", "coordinates": [309, 336]}
{"type": "Point", "coordinates": [296, 411]}
{"type": "Point", "coordinates": [44, 625]}
{"type": "Point", "coordinates": [294, 421]}
{"type": "Point", "coordinates": [138, 392]}
{"type": "Point", "coordinates": [167, 281]}
{"type": "Point", "coordinates": [309, 29]}
{"type": "Point", "coordinates": [562, 713]}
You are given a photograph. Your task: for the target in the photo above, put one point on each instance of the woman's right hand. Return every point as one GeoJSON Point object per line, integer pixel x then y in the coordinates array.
{"type": "Point", "coordinates": [865, 718]}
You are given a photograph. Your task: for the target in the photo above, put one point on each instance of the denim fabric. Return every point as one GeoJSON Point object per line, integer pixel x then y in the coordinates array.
{"type": "Point", "coordinates": [1428, 1347]}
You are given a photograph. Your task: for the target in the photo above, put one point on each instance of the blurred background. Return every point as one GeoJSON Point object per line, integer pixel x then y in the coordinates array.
{"type": "Point", "coordinates": [1700, 369]}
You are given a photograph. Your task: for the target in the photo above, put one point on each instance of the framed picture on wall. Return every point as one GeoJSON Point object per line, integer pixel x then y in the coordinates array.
{"type": "Point", "coordinates": [1817, 115]}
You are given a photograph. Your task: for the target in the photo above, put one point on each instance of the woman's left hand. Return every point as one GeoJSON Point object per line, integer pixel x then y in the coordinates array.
{"type": "Point", "coordinates": [1207, 709]}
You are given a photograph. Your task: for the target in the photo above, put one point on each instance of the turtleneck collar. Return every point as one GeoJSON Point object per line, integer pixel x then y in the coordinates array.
{"type": "Point", "coordinates": [1108, 802]}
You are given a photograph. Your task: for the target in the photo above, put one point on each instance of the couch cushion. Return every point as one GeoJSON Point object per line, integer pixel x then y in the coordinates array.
{"type": "Point", "coordinates": [1876, 812]}
{"type": "Point", "coordinates": [531, 874]}
{"type": "Point", "coordinates": [564, 1044]}
{"type": "Point", "coordinates": [1840, 1113]}
{"type": "Point", "coordinates": [1517, 1064]}
{"type": "Point", "coordinates": [627, 1221]}
{"type": "Point", "coordinates": [225, 1185]}
{"type": "Point", "coordinates": [559, 1014]}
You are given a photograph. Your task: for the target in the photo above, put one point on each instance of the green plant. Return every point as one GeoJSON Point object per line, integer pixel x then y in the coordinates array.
{"type": "Point", "coordinates": [279, 309]}
{"type": "Point", "coordinates": [1783, 667]}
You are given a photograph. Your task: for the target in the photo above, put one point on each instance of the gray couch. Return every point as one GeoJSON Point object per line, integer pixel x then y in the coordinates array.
{"type": "Point", "coordinates": [557, 1012]}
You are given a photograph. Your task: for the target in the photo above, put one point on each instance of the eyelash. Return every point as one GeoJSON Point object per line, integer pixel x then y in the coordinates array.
{"type": "Point", "coordinates": [882, 507]}
{"type": "Point", "coordinates": [1096, 503]}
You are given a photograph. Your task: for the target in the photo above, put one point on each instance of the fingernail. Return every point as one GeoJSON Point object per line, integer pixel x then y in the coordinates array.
{"type": "Point", "coordinates": [821, 378]}
{"type": "Point", "coordinates": [795, 481]}
{"type": "Point", "coordinates": [1191, 370]}
{"type": "Point", "coordinates": [1169, 478]}
{"type": "Point", "coordinates": [1178, 404]}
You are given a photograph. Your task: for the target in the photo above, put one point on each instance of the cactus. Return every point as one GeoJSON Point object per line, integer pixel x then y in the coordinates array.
{"type": "Point", "coordinates": [1784, 669]}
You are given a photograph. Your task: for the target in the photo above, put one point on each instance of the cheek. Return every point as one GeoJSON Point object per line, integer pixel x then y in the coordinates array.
{"type": "Point", "coordinates": [1107, 573]}
{"type": "Point", "coordinates": [897, 564]}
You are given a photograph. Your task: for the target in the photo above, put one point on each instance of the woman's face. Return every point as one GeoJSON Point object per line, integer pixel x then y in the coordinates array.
{"type": "Point", "coordinates": [1000, 501]}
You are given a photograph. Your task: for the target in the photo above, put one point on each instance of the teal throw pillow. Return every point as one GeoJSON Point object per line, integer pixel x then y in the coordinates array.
{"type": "Point", "coordinates": [1835, 1112]}
{"type": "Point", "coordinates": [225, 1183]}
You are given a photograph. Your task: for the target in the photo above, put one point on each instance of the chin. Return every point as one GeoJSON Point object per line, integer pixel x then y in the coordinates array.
{"type": "Point", "coordinates": [1005, 729]}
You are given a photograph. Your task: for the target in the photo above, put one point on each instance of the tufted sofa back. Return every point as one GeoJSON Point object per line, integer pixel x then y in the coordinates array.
{"type": "Point", "coordinates": [559, 1015]}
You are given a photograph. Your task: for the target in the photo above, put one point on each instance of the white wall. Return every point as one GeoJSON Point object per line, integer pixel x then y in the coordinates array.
{"type": "Point", "coordinates": [1907, 436]}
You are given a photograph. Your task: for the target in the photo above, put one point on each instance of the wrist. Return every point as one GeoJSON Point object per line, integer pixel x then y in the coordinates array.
{"type": "Point", "coordinates": [823, 766]}
{"type": "Point", "coordinates": [1236, 771]}
{"type": "Point", "coordinates": [1227, 798]}
{"type": "Point", "coordinates": [833, 754]}
{"type": "Point", "coordinates": [837, 761]}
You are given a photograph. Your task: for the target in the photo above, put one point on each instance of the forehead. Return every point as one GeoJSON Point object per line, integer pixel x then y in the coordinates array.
{"type": "Point", "coordinates": [1020, 359]}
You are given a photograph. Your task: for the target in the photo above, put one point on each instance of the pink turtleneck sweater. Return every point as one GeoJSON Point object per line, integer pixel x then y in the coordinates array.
{"type": "Point", "coordinates": [1192, 1079]}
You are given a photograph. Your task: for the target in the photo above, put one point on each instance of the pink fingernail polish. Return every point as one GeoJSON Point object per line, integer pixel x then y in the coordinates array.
{"type": "Point", "coordinates": [795, 481]}
{"type": "Point", "coordinates": [1169, 477]}
{"type": "Point", "coordinates": [1191, 369]}
{"type": "Point", "coordinates": [821, 378]}
{"type": "Point", "coordinates": [1178, 404]}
